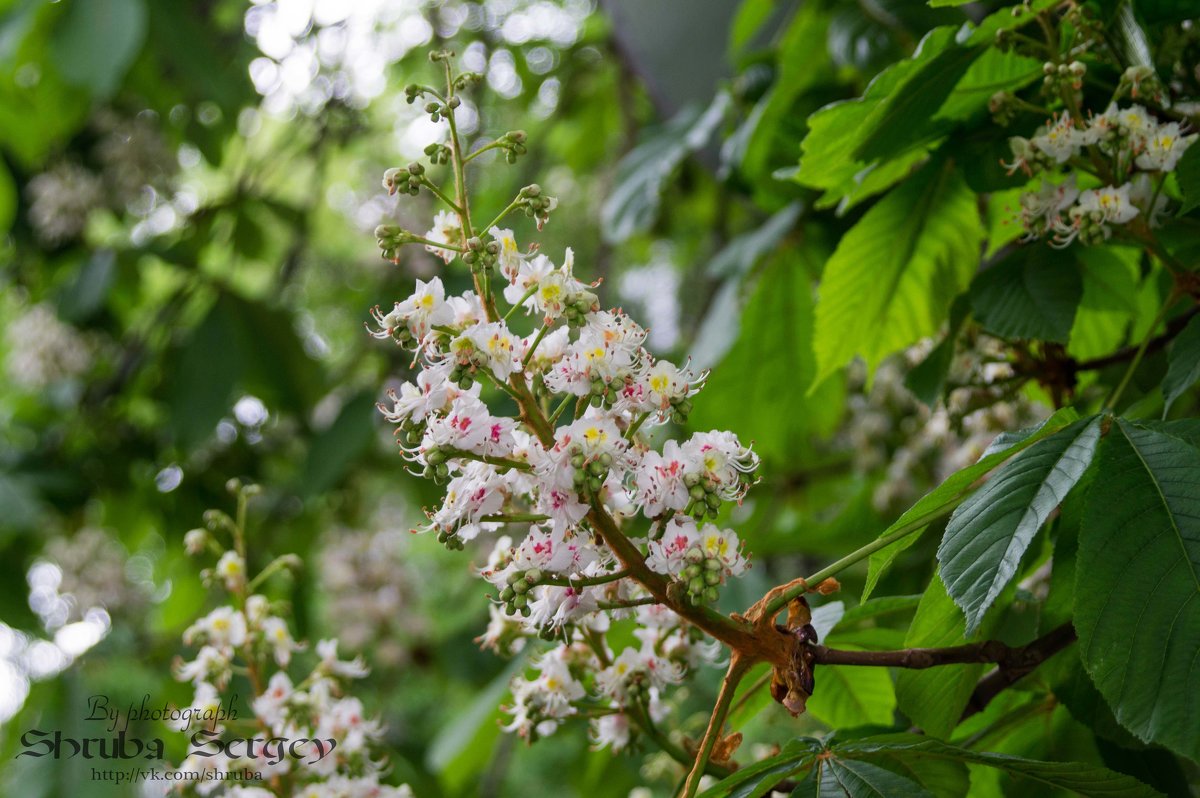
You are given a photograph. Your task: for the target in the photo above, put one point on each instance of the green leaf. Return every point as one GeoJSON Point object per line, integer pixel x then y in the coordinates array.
{"type": "Point", "coordinates": [934, 698]}
{"type": "Point", "coordinates": [938, 501]}
{"type": "Point", "coordinates": [334, 450]}
{"type": "Point", "coordinates": [97, 40]}
{"type": "Point", "coordinates": [633, 204]}
{"type": "Point", "coordinates": [1187, 172]}
{"type": "Point", "coordinates": [1032, 294]}
{"type": "Point", "coordinates": [8, 199]}
{"type": "Point", "coordinates": [828, 159]}
{"type": "Point", "coordinates": [927, 379]}
{"type": "Point", "coordinates": [896, 272]}
{"type": "Point", "coordinates": [944, 3]}
{"type": "Point", "coordinates": [1110, 281]}
{"type": "Point", "coordinates": [991, 72]}
{"type": "Point", "coordinates": [945, 778]}
{"type": "Point", "coordinates": [476, 728]}
{"type": "Point", "coordinates": [847, 778]}
{"type": "Point", "coordinates": [749, 19]}
{"type": "Point", "coordinates": [903, 120]}
{"type": "Point", "coordinates": [989, 532]}
{"type": "Point", "coordinates": [1078, 777]}
{"type": "Point", "coordinates": [87, 293]}
{"type": "Point", "coordinates": [766, 772]}
{"type": "Point", "coordinates": [848, 696]}
{"type": "Point", "coordinates": [206, 370]}
{"type": "Point", "coordinates": [1183, 365]}
{"type": "Point", "coordinates": [1137, 592]}
{"type": "Point", "coordinates": [753, 391]}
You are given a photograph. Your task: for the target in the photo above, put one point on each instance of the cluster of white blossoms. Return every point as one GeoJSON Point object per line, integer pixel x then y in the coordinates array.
{"type": "Point", "coordinates": [1123, 154]}
{"type": "Point", "coordinates": [575, 458]}
{"type": "Point", "coordinates": [328, 735]}
{"type": "Point", "coordinates": [43, 349]}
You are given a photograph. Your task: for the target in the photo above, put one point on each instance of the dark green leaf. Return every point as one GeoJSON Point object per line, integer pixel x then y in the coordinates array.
{"type": "Point", "coordinates": [1183, 365]}
{"type": "Point", "coordinates": [864, 780]}
{"type": "Point", "coordinates": [989, 532]}
{"type": "Point", "coordinates": [938, 501]}
{"type": "Point", "coordinates": [87, 293]}
{"type": "Point", "coordinates": [1137, 594]}
{"type": "Point", "coordinates": [633, 204]}
{"type": "Point", "coordinates": [896, 272]}
{"type": "Point", "coordinates": [97, 40]}
{"type": "Point", "coordinates": [1078, 777]}
{"type": "Point", "coordinates": [766, 772]}
{"type": "Point", "coordinates": [335, 449]}
{"type": "Point", "coordinates": [206, 371]}
{"type": "Point", "coordinates": [1032, 294]}
{"type": "Point", "coordinates": [928, 377]}
{"type": "Point", "coordinates": [1187, 172]}
{"type": "Point", "coordinates": [903, 120]}
{"type": "Point", "coordinates": [8, 199]}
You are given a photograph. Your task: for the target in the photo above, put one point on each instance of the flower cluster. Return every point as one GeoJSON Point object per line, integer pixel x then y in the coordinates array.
{"type": "Point", "coordinates": [1123, 154]}
{"type": "Point", "coordinates": [605, 521]}
{"type": "Point", "coordinates": [249, 636]}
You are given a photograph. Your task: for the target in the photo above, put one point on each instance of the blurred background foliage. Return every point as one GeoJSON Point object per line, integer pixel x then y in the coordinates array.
{"type": "Point", "coordinates": [187, 193]}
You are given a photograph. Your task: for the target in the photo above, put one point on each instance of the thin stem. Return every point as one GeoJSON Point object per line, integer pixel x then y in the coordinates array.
{"type": "Point", "coordinates": [745, 697]}
{"type": "Point", "coordinates": [533, 347]}
{"type": "Point", "coordinates": [623, 605]}
{"type": "Point", "coordinates": [635, 426]}
{"type": "Point", "coordinates": [438, 192]}
{"type": "Point", "coordinates": [277, 564]}
{"type": "Point", "coordinates": [583, 581]}
{"type": "Point", "coordinates": [503, 462]}
{"type": "Point", "coordinates": [511, 207]}
{"type": "Point", "coordinates": [490, 146]}
{"type": "Point", "coordinates": [499, 383]}
{"type": "Point", "coordinates": [532, 290]}
{"type": "Point", "coordinates": [1113, 397]}
{"type": "Point", "coordinates": [558, 411]}
{"type": "Point", "coordinates": [514, 518]}
{"type": "Point", "coordinates": [439, 244]}
{"type": "Point", "coordinates": [737, 669]}
{"type": "Point", "coordinates": [915, 525]}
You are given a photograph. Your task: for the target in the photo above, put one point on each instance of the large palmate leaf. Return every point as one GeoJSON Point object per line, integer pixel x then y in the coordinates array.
{"type": "Point", "coordinates": [1029, 295]}
{"type": "Point", "coordinates": [937, 503]}
{"type": "Point", "coordinates": [847, 778]}
{"type": "Point", "coordinates": [989, 532]}
{"type": "Point", "coordinates": [889, 765]}
{"type": "Point", "coordinates": [829, 159]}
{"type": "Point", "coordinates": [894, 274]}
{"type": "Point", "coordinates": [1183, 367]}
{"type": "Point", "coordinates": [1137, 589]}
{"type": "Point", "coordinates": [1077, 777]}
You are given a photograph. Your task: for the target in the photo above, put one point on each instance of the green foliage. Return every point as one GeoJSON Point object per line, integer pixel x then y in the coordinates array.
{"type": "Point", "coordinates": [989, 532]}
{"type": "Point", "coordinates": [1029, 297]}
{"type": "Point", "coordinates": [1138, 580]}
{"type": "Point", "coordinates": [1183, 369]}
{"type": "Point", "coordinates": [844, 769]}
{"type": "Point", "coordinates": [894, 274]}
